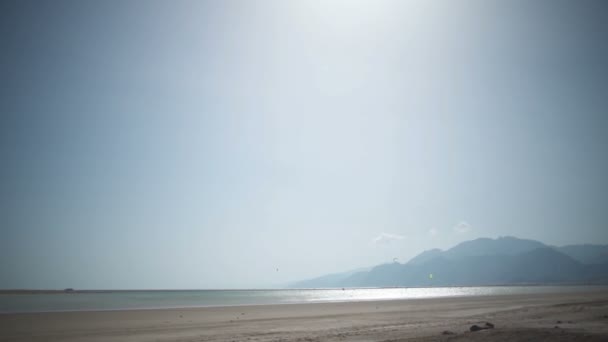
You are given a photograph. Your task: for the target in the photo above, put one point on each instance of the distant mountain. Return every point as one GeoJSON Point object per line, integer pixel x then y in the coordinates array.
{"type": "Point", "coordinates": [507, 245]}
{"type": "Point", "coordinates": [425, 256]}
{"type": "Point", "coordinates": [330, 280]}
{"type": "Point", "coordinates": [586, 254]}
{"type": "Point", "coordinates": [506, 260]}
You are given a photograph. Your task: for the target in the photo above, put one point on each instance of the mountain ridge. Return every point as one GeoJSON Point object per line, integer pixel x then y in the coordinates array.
{"type": "Point", "coordinates": [503, 261]}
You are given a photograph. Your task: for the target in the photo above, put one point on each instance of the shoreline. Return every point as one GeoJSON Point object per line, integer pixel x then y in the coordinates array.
{"type": "Point", "coordinates": [569, 288]}
{"type": "Point", "coordinates": [75, 291]}
{"type": "Point", "coordinates": [385, 320]}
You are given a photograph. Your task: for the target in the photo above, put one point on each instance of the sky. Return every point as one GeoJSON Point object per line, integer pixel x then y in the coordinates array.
{"type": "Point", "coordinates": [238, 144]}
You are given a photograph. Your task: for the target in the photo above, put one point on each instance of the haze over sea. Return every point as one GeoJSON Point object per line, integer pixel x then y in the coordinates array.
{"type": "Point", "coordinates": [155, 299]}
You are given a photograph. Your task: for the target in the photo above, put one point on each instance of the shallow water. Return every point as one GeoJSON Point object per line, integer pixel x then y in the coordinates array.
{"type": "Point", "coordinates": [121, 300]}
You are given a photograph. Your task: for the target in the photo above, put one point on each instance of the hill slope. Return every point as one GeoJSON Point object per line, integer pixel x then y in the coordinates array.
{"type": "Point", "coordinates": [586, 254]}
{"type": "Point", "coordinates": [506, 260]}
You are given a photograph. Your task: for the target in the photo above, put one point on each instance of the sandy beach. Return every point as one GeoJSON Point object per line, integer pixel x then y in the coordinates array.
{"type": "Point", "coordinates": [559, 317]}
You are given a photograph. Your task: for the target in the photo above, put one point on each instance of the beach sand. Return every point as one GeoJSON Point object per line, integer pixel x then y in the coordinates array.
{"type": "Point", "coordinates": [581, 316]}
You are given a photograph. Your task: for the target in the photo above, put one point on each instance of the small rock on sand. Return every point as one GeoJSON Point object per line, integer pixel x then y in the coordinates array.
{"type": "Point", "coordinates": [447, 332]}
{"type": "Point", "coordinates": [476, 327]}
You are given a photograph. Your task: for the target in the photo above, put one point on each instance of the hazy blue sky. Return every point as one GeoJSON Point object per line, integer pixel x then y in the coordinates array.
{"type": "Point", "coordinates": [178, 144]}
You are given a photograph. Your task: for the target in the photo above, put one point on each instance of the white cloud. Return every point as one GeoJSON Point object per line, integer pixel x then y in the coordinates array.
{"type": "Point", "coordinates": [462, 227]}
{"type": "Point", "coordinates": [433, 232]}
{"type": "Point", "coordinates": [386, 238]}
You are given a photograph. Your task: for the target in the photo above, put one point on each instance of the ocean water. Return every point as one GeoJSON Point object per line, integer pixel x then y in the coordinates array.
{"type": "Point", "coordinates": [124, 300]}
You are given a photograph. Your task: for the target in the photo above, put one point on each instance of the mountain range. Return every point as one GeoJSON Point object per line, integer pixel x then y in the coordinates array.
{"type": "Point", "coordinates": [503, 261]}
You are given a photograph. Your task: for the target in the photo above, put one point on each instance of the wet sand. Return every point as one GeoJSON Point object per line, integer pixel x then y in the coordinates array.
{"type": "Point", "coordinates": [577, 316]}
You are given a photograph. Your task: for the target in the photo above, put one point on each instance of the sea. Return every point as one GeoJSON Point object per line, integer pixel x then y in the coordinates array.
{"type": "Point", "coordinates": [158, 299]}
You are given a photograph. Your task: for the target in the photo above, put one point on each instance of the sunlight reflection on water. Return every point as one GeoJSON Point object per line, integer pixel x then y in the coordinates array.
{"type": "Point", "coordinates": [121, 300]}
